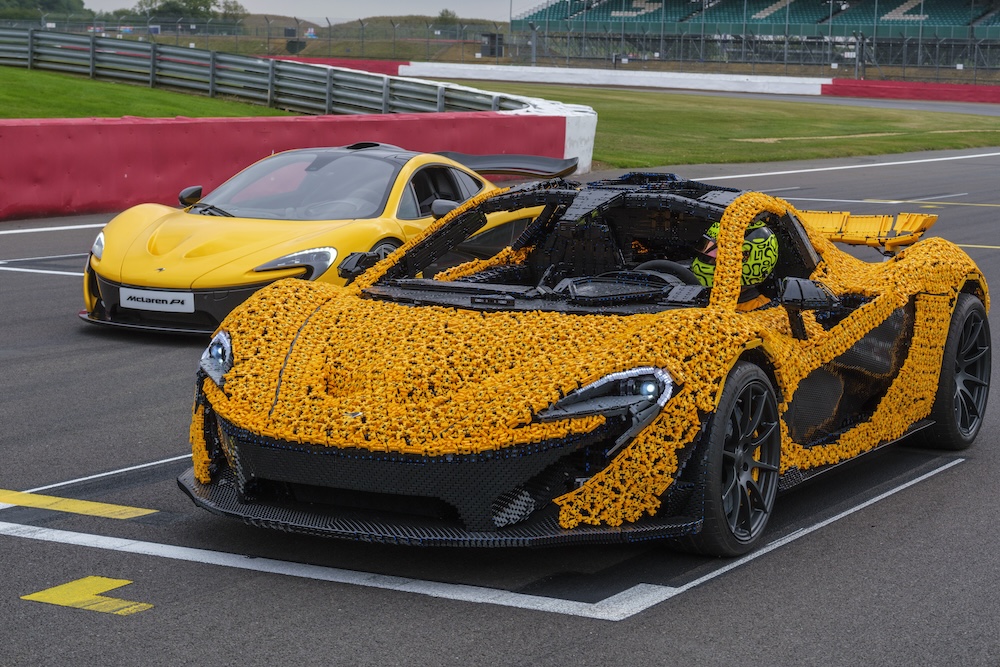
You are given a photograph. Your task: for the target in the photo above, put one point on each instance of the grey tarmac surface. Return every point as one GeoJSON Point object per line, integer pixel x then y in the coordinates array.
{"type": "Point", "coordinates": [859, 568]}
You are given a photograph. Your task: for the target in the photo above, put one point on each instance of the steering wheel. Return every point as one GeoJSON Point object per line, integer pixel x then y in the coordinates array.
{"type": "Point", "coordinates": [672, 268]}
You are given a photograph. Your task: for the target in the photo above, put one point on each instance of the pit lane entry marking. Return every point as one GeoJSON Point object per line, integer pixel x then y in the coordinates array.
{"type": "Point", "coordinates": [617, 607]}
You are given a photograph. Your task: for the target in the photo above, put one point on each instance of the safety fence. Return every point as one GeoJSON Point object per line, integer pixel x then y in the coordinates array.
{"type": "Point", "coordinates": [298, 87]}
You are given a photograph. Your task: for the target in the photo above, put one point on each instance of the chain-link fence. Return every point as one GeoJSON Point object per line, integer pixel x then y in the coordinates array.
{"type": "Point", "coordinates": [954, 54]}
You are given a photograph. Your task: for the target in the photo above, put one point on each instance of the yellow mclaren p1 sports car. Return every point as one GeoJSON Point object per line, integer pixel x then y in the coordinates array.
{"type": "Point", "coordinates": [292, 214]}
{"type": "Point", "coordinates": [650, 357]}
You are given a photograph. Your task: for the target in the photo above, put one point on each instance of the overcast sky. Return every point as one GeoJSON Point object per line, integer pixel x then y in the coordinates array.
{"type": "Point", "coordinates": [318, 10]}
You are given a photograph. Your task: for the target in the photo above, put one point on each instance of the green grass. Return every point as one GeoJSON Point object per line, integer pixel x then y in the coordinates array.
{"type": "Point", "coordinates": [636, 129]}
{"type": "Point", "coordinates": [647, 129]}
{"type": "Point", "coordinates": [33, 94]}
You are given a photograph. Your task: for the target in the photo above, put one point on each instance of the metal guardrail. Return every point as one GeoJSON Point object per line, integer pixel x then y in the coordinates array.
{"type": "Point", "coordinates": [298, 87]}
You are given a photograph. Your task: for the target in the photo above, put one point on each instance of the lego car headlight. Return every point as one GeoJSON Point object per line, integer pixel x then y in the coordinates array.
{"type": "Point", "coordinates": [98, 248]}
{"type": "Point", "coordinates": [638, 394]}
{"type": "Point", "coordinates": [315, 262]}
{"type": "Point", "coordinates": [217, 358]}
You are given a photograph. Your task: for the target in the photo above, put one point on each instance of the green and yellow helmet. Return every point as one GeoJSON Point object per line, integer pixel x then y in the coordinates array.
{"type": "Point", "coordinates": [760, 254]}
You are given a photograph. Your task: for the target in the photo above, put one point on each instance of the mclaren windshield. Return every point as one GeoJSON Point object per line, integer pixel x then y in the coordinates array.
{"type": "Point", "coordinates": [306, 185]}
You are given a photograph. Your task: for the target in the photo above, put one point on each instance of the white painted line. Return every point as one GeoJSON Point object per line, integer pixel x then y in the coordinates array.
{"type": "Point", "coordinates": [50, 273]}
{"type": "Point", "coordinates": [937, 197]}
{"type": "Point", "coordinates": [120, 471]}
{"type": "Point", "coordinates": [110, 473]}
{"type": "Point", "coordinates": [791, 537]}
{"type": "Point", "coordinates": [854, 166]}
{"type": "Point", "coordinates": [893, 202]}
{"type": "Point", "coordinates": [35, 230]}
{"type": "Point", "coordinates": [615, 608]}
{"type": "Point", "coordinates": [840, 201]}
{"type": "Point", "coordinates": [32, 259]}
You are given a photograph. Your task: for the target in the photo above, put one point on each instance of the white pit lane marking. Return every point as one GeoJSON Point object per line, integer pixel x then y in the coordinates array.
{"type": "Point", "coordinates": [618, 607]}
{"type": "Point", "coordinates": [49, 273]}
{"type": "Point", "coordinates": [853, 166]}
{"type": "Point", "coordinates": [5, 262]}
{"type": "Point", "coordinates": [100, 475]}
{"type": "Point", "coordinates": [35, 230]}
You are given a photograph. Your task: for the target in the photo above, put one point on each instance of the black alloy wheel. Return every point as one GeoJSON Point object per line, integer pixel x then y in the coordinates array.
{"type": "Point", "coordinates": [740, 465]}
{"type": "Point", "coordinates": [964, 383]}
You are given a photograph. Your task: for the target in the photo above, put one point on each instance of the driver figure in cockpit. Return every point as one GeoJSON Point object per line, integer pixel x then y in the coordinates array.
{"type": "Point", "coordinates": [760, 255]}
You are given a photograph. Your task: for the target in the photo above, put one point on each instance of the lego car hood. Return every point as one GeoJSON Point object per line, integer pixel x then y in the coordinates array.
{"type": "Point", "coordinates": [334, 369]}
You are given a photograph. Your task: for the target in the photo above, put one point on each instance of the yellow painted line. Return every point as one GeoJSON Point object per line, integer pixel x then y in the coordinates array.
{"type": "Point", "coordinates": [86, 594]}
{"type": "Point", "coordinates": [57, 504]}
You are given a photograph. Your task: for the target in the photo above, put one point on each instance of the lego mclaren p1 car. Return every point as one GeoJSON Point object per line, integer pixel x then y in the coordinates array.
{"type": "Point", "coordinates": [651, 357]}
{"type": "Point", "coordinates": [293, 214]}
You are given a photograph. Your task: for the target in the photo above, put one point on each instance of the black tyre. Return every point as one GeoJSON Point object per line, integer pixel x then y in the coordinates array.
{"type": "Point", "coordinates": [740, 465]}
{"type": "Point", "coordinates": [964, 385]}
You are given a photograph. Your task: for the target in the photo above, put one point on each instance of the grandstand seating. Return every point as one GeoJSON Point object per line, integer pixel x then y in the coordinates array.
{"type": "Point", "coordinates": [857, 12]}
{"type": "Point", "coordinates": [908, 12]}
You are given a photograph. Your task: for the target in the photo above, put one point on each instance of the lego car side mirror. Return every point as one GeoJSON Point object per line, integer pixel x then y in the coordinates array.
{"type": "Point", "coordinates": [355, 264]}
{"type": "Point", "coordinates": [799, 294]}
{"type": "Point", "coordinates": [442, 207]}
{"type": "Point", "coordinates": [189, 195]}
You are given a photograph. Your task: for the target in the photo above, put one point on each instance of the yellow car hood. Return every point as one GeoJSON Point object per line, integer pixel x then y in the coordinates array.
{"type": "Point", "coordinates": [158, 246]}
{"type": "Point", "coordinates": [329, 368]}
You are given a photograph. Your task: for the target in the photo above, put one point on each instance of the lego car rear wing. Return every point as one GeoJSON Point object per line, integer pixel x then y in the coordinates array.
{"type": "Point", "coordinates": [534, 166]}
{"type": "Point", "coordinates": [883, 232]}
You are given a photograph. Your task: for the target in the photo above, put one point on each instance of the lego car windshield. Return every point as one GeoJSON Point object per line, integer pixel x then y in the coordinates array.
{"type": "Point", "coordinates": [640, 244]}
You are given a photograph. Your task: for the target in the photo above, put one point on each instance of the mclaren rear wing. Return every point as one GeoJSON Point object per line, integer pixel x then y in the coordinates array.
{"type": "Point", "coordinates": [883, 232]}
{"type": "Point", "coordinates": [533, 166]}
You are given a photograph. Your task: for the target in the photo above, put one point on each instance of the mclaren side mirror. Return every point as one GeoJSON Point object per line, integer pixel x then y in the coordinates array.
{"type": "Point", "coordinates": [442, 207]}
{"type": "Point", "coordinates": [189, 195]}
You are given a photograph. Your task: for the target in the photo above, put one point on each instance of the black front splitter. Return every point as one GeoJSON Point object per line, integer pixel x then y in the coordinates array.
{"type": "Point", "coordinates": [542, 529]}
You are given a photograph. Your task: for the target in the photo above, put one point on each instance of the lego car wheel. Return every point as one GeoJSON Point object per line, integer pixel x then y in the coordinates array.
{"type": "Point", "coordinates": [740, 465]}
{"type": "Point", "coordinates": [964, 384]}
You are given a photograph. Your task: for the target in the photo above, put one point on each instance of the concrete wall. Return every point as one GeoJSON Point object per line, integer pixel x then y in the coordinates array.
{"type": "Point", "coordinates": [776, 85]}
{"type": "Point", "coordinates": [95, 165]}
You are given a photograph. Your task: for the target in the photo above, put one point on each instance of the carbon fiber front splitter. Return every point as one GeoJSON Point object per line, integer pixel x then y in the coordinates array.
{"type": "Point", "coordinates": [541, 529]}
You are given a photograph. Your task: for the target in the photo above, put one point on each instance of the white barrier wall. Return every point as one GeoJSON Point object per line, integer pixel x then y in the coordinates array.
{"type": "Point", "coordinates": [580, 122]}
{"type": "Point", "coordinates": [774, 85]}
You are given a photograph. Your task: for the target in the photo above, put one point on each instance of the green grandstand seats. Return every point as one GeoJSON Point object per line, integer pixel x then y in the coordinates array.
{"type": "Point", "coordinates": [908, 12]}
{"type": "Point", "coordinates": [856, 12]}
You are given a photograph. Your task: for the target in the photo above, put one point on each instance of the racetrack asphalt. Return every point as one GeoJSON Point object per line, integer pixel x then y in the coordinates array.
{"type": "Point", "coordinates": [889, 561]}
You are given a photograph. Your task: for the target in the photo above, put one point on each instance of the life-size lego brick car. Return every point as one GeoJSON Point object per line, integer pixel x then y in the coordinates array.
{"type": "Point", "coordinates": [646, 357]}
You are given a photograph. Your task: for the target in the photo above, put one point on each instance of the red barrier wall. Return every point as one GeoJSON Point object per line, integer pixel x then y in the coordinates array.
{"type": "Point", "coordinates": [96, 165]}
{"type": "Point", "coordinates": [912, 90]}
{"type": "Point", "coordinates": [390, 67]}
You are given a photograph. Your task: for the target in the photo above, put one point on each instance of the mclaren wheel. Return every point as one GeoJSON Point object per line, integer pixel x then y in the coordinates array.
{"type": "Point", "coordinates": [964, 384]}
{"type": "Point", "coordinates": [740, 466]}
{"type": "Point", "coordinates": [385, 247]}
